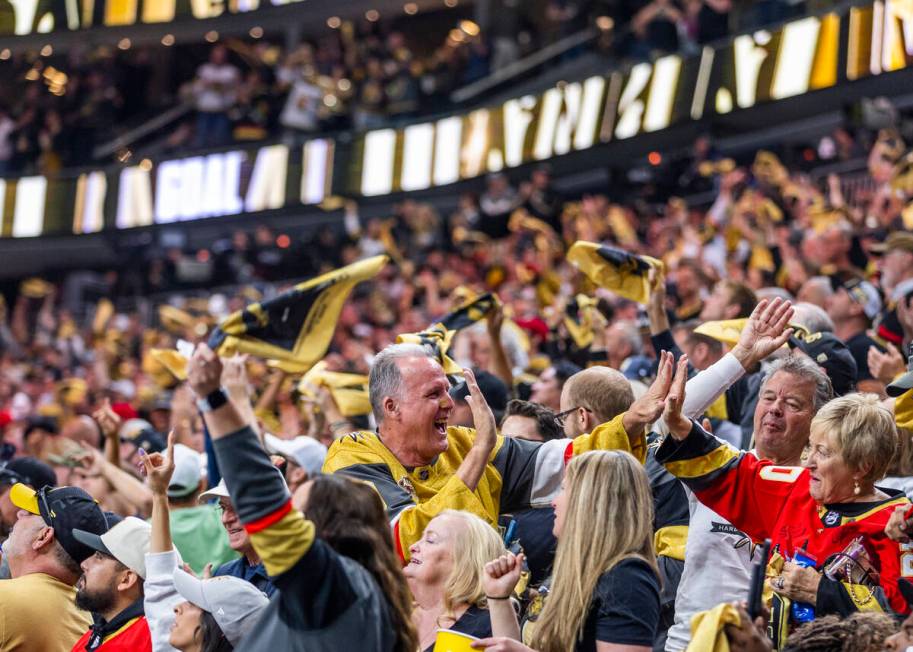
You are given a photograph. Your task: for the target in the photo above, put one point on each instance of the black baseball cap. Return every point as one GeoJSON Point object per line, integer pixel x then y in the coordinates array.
{"type": "Point", "coordinates": [493, 389]}
{"type": "Point", "coordinates": [902, 384]}
{"type": "Point", "coordinates": [830, 352]}
{"type": "Point", "coordinates": [29, 471]}
{"type": "Point", "coordinates": [149, 440]}
{"type": "Point", "coordinates": [63, 508]}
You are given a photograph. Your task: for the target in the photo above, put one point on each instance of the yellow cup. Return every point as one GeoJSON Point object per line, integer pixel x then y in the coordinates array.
{"type": "Point", "coordinates": [450, 641]}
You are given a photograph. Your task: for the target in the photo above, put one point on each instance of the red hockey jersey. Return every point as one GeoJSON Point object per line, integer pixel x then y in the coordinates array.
{"type": "Point", "coordinates": [768, 501]}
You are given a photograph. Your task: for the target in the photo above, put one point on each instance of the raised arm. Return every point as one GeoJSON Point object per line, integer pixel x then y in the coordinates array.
{"type": "Point", "coordinates": [473, 465]}
{"type": "Point", "coordinates": [160, 595]}
{"type": "Point", "coordinates": [311, 578]}
{"type": "Point", "coordinates": [735, 484]}
{"type": "Point", "coordinates": [500, 365]}
{"type": "Point", "coordinates": [109, 423]}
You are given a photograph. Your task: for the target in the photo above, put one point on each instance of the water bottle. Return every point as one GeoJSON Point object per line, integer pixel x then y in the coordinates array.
{"type": "Point", "coordinates": [802, 612]}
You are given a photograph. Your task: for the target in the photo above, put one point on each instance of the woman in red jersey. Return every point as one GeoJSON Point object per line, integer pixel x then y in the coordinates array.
{"type": "Point", "coordinates": [825, 519]}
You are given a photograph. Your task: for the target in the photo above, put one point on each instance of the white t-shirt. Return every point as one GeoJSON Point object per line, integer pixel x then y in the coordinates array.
{"type": "Point", "coordinates": [300, 110]}
{"type": "Point", "coordinates": [717, 569]}
{"type": "Point", "coordinates": [216, 87]}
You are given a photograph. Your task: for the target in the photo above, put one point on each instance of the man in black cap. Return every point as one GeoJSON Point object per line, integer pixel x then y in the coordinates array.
{"type": "Point", "coordinates": [854, 304]}
{"type": "Point", "coordinates": [37, 607]}
{"type": "Point", "coordinates": [833, 356]}
{"type": "Point", "coordinates": [28, 471]}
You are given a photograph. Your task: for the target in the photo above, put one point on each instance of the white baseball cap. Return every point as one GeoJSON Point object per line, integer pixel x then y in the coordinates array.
{"type": "Point", "coordinates": [306, 452]}
{"type": "Point", "coordinates": [188, 471]}
{"type": "Point", "coordinates": [219, 491]}
{"type": "Point", "coordinates": [127, 542]}
{"type": "Point", "coordinates": [235, 604]}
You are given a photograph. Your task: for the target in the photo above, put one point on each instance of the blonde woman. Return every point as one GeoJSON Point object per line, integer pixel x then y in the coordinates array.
{"type": "Point", "coordinates": [605, 589]}
{"type": "Point", "coordinates": [445, 574]}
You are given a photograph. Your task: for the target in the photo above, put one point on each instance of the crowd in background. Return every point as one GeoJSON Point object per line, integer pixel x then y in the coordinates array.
{"type": "Point", "coordinates": [765, 312]}
{"type": "Point", "coordinates": [60, 106]}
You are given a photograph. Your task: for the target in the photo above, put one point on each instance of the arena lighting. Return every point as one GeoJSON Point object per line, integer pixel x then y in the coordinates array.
{"type": "Point", "coordinates": [605, 23]}
{"type": "Point", "coordinates": [28, 211]}
{"type": "Point", "coordinates": [418, 144]}
{"type": "Point", "coordinates": [471, 28]}
{"type": "Point", "coordinates": [377, 162]}
{"type": "Point", "coordinates": [283, 241]}
{"type": "Point", "coordinates": [124, 44]}
{"type": "Point", "coordinates": [372, 15]}
{"type": "Point", "coordinates": [89, 212]}
{"type": "Point", "coordinates": [451, 3]}
{"type": "Point", "coordinates": [47, 50]}
{"type": "Point", "coordinates": [5, 54]}
{"type": "Point", "coordinates": [256, 32]}
{"type": "Point", "coordinates": [212, 36]}
{"type": "Point", "coordinates": [168, 40]}
{"type": "Point", "coordinates": [654, 158]}
{"type": "Point", "coordinates": [410, 8]}
{"type": "Point", "coordinates": [333, 22]}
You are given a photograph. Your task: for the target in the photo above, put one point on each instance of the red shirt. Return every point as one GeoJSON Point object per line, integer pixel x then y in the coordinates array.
{"type": "Point", "coordinates": [134, 636]}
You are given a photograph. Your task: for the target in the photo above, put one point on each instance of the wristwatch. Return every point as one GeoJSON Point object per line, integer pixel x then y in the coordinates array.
{"type": "Point", "coordinates": [212, 401]}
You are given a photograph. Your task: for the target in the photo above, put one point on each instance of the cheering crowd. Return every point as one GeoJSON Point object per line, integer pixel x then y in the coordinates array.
{"type": "Point", "coordinates": [544, 424]}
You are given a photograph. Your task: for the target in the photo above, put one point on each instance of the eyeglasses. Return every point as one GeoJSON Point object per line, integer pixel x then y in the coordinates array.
{"type": "Point", "coordinates": [561, 417]}
{"type": "Point", "coordinates": [225, 506]}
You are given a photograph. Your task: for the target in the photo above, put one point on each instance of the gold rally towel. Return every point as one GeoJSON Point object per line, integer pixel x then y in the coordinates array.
{"type": "Point", "coordinates": [296, 326]}
{"type": "Point", "coordinates": [707, 629]}
{"type": "Point", "coordinates": [622, 272]}
{"type": "Point", "coordinates": [439, 336]}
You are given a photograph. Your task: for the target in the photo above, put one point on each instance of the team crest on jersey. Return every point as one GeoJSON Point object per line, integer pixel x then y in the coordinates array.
{"type": "Point", "coordinates": [831, 519]}
{"type": "Point", "coordinates": [406, 484]}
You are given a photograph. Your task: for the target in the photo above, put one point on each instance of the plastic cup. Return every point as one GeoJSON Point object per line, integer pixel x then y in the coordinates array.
{"type": "Point", "coordinates": [450, 641]}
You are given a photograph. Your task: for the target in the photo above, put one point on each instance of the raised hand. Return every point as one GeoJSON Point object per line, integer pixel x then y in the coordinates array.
{"type": "Point", "coordinates": [898, 526]}
{"type": "Point", "coordinates": [679, 425]}
{"type": "Point", "coordinates": [234, 374]}
{"type": "Point", "coordinates": [482, 417]}
{"type": "Point", "coordinates": [765, 332]}
{"type": "Point", "coordinates": [158, 468]}
{"type": "Point", "coordinates": [204, 371]}
{"type": "Point", "coordinates": [495, 320]}
{"type": "Point", "coordinates": [650, 406]}
{"type": "Point", "coordinates": [501, 575]}
{"type": "Point", "coordinates": [107, 419]}
{"type": "Point", "coordinates": [886, 366]}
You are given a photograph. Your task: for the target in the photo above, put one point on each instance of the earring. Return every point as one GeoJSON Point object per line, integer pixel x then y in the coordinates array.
{"type": "Point", "coordinates": [856, 489]}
